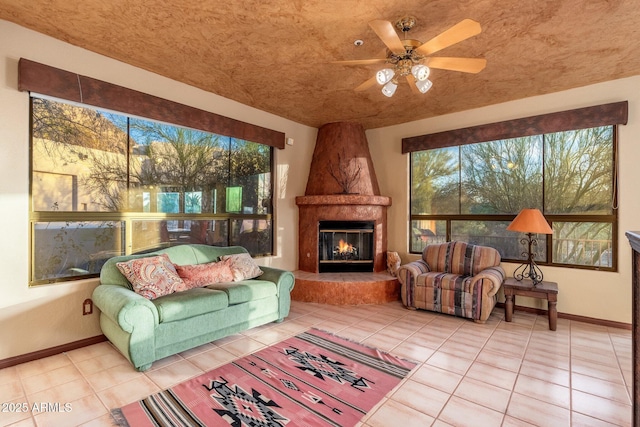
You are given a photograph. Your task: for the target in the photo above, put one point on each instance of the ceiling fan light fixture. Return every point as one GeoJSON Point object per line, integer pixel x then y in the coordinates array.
{"type": "Point", "coordinates": [420, 72]}
{"type": "Point", "coordinates": [424, 85]}
{"type": "Point", "coordinates": [389, 89]}
{"type": "Point", "coordinates": [384, 76]}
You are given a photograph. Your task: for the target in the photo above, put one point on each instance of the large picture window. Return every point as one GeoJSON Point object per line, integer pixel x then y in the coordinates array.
{"type": "Point", "coordinates": [472, 192]}
{"type": "Point", "coordinates": [106, 184]}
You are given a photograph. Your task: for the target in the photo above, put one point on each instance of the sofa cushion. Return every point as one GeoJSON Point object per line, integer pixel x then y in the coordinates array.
{"type": "Point", "coordinates": [199, 275]}
{"type": "Point", "coordinates": [151, 277]}
{"type": "Point", "coordinates": [182, 305]}
{"type": "Point", "coordinates": [247, 290]}
{"type": "Point", "coordinates": [242, 266]}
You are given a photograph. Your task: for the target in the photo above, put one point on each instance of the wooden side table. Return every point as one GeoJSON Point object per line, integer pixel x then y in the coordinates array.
{"type": "Point", "coordinates": [525, 288]}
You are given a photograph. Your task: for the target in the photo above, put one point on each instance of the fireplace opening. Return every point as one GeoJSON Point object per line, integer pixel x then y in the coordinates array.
{"type": "Point", "coordinates": [345, 246]}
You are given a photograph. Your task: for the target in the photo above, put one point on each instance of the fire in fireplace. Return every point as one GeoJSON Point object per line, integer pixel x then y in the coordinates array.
{"type": "Point", "coordinates": [345, 246]}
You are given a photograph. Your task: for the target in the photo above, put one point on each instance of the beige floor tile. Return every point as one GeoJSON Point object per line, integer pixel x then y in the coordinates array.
{"type": "Point", "coordinates": [462, 413]}
{"type": "Point", "coordinates": [197, 350]}
{"type": "Point", "coordinates": [91, 352]}
{"type": "Point", "coordinates": [112, 376]}
{"type": "Point", "coordinates": [47, 380]}
{"type": "Point", "coordinates": [11, 390]}
{"type": "Point", "coordinates": [270, 336]}
{"type": "Point", "coordinates": [545, 373]}
{"type": "Point", "coordinates": [492, 375]}
{"type": "Point", "coordinates": [42, 366]}
{"type": "Point", "coordinates": [537, 412]}
{"type": "Point", "coordinates": [546, 357]}
{"type": "Point", "coordinates": [212, 359]}
{"type": "Point", "coordinates": [17, 410]}
{"type": "Point", "coordinates": [79, 411]}
{"type": "Point", "coordinates": [602, 409]}
{"type": "Point", "coordinates": [410, 350]}
{"type": "Point", "coordinates": [243, 346]}
{"type": "Point", "coordinates": [129, 392]}
{"type": "Point", "coordinates": [393, 413]}
{"type": "Point", "coordinates": [596, 355]}
{"type": "Point", "coordinates": [103, 421]}
{"type": "Point", "coordinates": [66, 392]}
{"type": "Point", "coordinates": [510, 421]}
{"type": "Point", "coordinates": [450, 362]}
{"type": "Point", "coordinates": [502, 361]}
{"type": "Point", "coordinates": [173, 374]}
{"type": "Point", "coordinates": [581, 420]}
{"type": "Point", "coordinates": [597, 370]}
{"type": "Point", "coordinates": [382, 341]}
{"type": "Point", "coordinates": [437, 378]}
{"type": "Point", "coordinates": [544, 391]}
{"type": "Point", "coordinates": [484, 394]}
{"type": "Point", "coordinates": [9, 375]}
{"type": "Point", "coordinates": [101, 362]}
{"type": "Point", "coordinates": [421, 397]}
{"type": "Point", "coordinates": [602, 388]}
{"type": "Point", "coordinates": [468, 351]}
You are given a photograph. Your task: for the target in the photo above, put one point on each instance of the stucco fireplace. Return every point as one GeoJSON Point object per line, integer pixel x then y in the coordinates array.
{"type": "Point", "coordinates": [342, 189]}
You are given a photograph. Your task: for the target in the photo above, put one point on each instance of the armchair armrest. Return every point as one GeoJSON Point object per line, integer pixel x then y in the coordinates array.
{"type": "Point", "coordinates": [407, 276]}
{"type": "Point", "coordinates": [124, 307]}
{"type": "Point", "coordinates": [408, 273]}
{"type": "Point", "coordinates": [494, 275]}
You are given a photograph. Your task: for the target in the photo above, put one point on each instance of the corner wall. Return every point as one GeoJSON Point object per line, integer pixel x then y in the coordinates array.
{"type": "Point", "coordinates": [596, 294]}
{"type": "Point", "coordinates": [45, 316]}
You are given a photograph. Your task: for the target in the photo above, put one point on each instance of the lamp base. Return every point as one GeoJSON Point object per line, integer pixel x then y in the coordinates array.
{"type": "Point", "coordinates": [529, 270]}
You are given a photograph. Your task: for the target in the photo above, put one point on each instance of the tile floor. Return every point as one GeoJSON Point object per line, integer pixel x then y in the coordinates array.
{"type": "Point", "coordinates": [496, 374]}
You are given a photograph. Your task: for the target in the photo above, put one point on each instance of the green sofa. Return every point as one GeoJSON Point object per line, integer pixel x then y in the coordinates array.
{"type": "Point", "coordinates": [148, 330]}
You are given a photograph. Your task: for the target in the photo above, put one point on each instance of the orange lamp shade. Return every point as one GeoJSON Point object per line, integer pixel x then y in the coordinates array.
{"type": "Point", "coordinates": [530, 221]}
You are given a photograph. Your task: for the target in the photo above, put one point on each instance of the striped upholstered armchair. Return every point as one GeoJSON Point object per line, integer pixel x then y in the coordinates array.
{"type": "Point", "coordinates": [454, 278]}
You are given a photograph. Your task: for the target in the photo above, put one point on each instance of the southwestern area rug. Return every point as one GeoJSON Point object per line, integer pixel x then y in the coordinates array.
{"type": "Point", "coordinates": [312, 379]}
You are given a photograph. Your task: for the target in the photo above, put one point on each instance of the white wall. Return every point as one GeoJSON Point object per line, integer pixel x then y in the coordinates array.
{"type": "Point", "coordinates": [601, 295]}
{"type": "Point", "coordinates": [46, 316]}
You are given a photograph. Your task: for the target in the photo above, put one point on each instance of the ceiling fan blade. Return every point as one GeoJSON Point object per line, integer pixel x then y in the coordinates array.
{"type": "Point", "coordinates": [459, 32]}
{"type": "Point", "coordinates": [465, 65]}
{"type": "Point", "coordinates": [388, 35]}
{"type": "Point", "coordinates": [366, 85]}
{"type": "Point", "coordinates": [361, 61]}
{"type": "Point", "coordinates": [412, 83]}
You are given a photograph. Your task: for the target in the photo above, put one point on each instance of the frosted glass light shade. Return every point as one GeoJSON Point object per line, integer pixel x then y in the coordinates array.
{"type": "Point", "coordinates": [424, 85]}
{"type": "Point", "coordinates": [385, 75]}
{"type": "Point", "coordinates": [420, 72]}
{"type": "Point", "coordinates": [389, 89]}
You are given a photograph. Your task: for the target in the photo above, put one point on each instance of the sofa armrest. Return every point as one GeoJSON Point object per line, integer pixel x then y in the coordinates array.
{"type": "Point", "coordinates": [495, 276]}
{"type": "Point", "coordinates": [124, 307]}
{"type": "Point", "coordinates": [284, 281]}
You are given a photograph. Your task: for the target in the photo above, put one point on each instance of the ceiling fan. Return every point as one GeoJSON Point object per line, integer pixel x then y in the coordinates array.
{"type": "Point", "coordinates": [411, 59]}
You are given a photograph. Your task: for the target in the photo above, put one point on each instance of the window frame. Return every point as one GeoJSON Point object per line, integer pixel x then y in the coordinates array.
{"type": "Point", "coordinates": [610, 114]}
{"type": "Point", "coordinates": [127, 218]}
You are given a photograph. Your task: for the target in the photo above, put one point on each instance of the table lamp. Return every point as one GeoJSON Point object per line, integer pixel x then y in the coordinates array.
{"type": "Point", "coordinates": [530, 222]}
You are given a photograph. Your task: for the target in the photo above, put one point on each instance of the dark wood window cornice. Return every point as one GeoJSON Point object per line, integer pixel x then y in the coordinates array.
{"type": "Point", "coordinates": [581, 118]}
{"type": "Point", "coordinates": [54, 82]}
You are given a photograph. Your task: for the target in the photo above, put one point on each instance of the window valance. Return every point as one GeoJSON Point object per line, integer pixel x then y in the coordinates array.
{"type": "Point", "coordinates": [581, 118]}
{"type": "Point", "coordinates": [51, 81]}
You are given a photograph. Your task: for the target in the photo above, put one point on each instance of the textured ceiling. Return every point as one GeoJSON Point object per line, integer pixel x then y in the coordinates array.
{"type": "Point", "coordinates": [276, 55]}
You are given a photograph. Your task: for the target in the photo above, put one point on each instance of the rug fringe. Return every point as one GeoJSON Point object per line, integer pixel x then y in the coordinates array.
{"type": "Point", "coordinates": [119, 418]}
{"type": "Point", "coordinates": [370, 347]}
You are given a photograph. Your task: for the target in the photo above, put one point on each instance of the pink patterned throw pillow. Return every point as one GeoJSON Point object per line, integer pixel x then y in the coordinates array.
{"type": "Point", "coordinates": [151, 277]}
{"type": "Point", "coordinates": [199, 275]}
{"type": "Point", "coordinates": [242, 266]}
